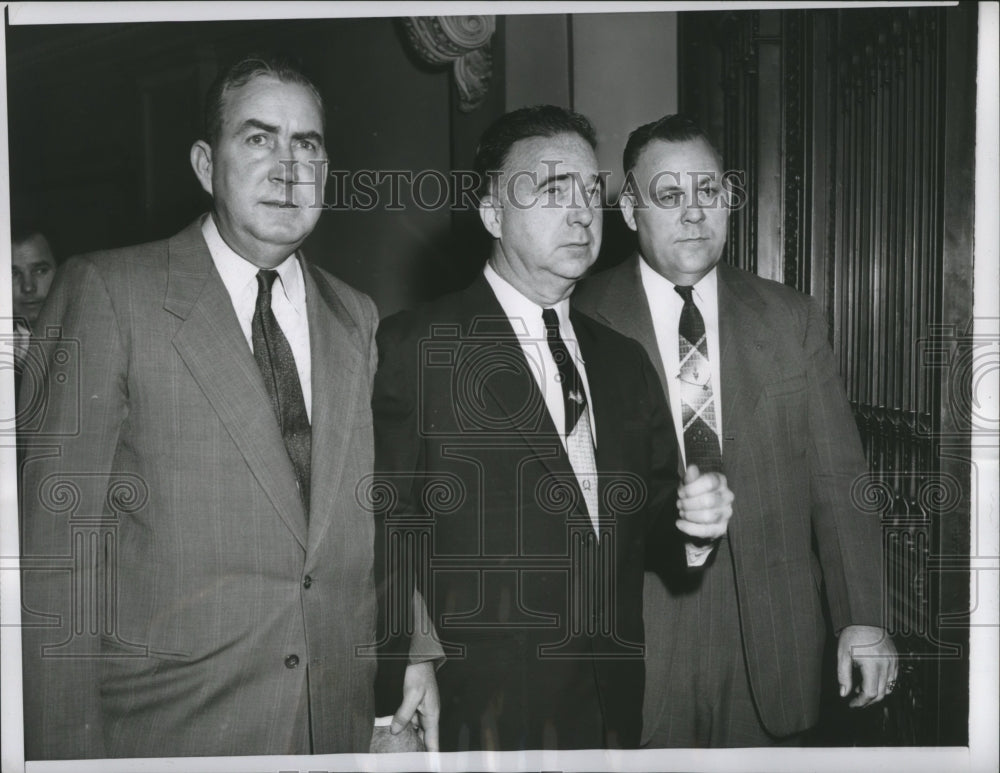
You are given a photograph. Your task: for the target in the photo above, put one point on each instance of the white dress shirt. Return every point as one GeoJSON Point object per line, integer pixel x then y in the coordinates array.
{"type": "Point", "coordinates": [665, 307]}
{"type": "Point", "coordinates": [525, 317]}
{"type": "Point", "coordinates": [288, 300]}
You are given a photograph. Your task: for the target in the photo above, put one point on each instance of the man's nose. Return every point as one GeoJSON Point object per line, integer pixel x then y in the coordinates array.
{"type": "Point", "coordinates": [693, 212]}
{"type": "Point", "coordinates": [28, 284]}
{"type": "Point", "coordinates": [581, 214]}
{"type": "Point", "coordinates": [284, 167]}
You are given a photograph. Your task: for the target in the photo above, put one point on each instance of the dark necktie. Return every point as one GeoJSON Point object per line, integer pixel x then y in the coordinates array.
{"type": "Point", "coordinates": [574, 396]}
{"type": "Point", "coordinates": [579, 438]}
{"type": "Point", "coordinates": [701, 428]}
{"type": "Point", "coordinates": [281, 379]}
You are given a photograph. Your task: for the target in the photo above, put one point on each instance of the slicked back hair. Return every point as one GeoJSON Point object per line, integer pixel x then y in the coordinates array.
{"type": "Point", "coordinates": [241, 73]}
{"type": "Point", "coordinates": [536, 121]}
{"type": "Point", "coordinates": [671, 128]}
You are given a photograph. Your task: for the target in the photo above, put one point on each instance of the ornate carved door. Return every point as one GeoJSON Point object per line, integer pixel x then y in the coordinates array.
{"type": "Point", "coordinates": [855, 131]}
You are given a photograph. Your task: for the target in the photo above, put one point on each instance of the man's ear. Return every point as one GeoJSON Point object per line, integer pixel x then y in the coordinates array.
{"type": "Point", "coordinates": [491, 213]}
{"type": "Point", "coordinates": [626, 202]}
{"type": "Point", "coordinates": [201, 162]}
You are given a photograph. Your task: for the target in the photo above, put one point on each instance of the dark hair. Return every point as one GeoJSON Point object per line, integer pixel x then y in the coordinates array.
{"type": "Point", "coordinates": [23, 228]}
{"type": "Point", "coordinates": [241, 73]}
{"type": "Point", "coordinates": [536, 121]}
{"type": "Point", "coordinates": [671, 128]}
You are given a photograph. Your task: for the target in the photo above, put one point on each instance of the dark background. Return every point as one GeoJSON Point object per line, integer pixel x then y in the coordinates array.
{"type": "Point", "coordinates": [102, 118]}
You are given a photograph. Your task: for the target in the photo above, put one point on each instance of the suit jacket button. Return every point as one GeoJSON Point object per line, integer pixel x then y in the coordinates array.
{"type": "Point", "coordinates": [307, 582]}
{"type": "Point", "coordinates": [291, 661]}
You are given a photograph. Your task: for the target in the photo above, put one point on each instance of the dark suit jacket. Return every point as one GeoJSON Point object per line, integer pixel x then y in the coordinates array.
{"type": "Point", "coordinates": [159, 459]}
{"type": "Point", "coordinates": [791, 453]}
{"type": "Point", "coordinates": [543, 637]}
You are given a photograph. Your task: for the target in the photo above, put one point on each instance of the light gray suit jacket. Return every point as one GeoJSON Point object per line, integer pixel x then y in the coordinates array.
{"type": "Point", "coordinates": [224, 623]}
{"type": "Point", "coordinates": [791, 454]}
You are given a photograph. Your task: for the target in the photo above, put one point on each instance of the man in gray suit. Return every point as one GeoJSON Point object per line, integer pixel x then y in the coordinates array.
{"type": "Point", "coordinates": [734, 653]}
{"type": "Point", "coordinates": [197, 567]}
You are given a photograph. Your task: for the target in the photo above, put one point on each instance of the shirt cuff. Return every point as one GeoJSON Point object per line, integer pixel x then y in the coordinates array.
{"type": "Point", "coordinates": [697, 555]}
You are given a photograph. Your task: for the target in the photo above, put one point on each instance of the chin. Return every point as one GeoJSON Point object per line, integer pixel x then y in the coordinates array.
{"type": "Point", "coordinates": [287, 232]}
{"type": "Point", "coordinates": [579, 269]}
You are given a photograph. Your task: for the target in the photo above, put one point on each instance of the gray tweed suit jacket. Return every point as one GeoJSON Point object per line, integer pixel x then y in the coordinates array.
{"type": "Point", "coordinates": [791, 455]}
{"type": "Point", "coordinates": [158, 488]}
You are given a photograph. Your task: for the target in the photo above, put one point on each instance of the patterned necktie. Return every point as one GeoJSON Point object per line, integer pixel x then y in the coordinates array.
{"type": "Point", "coordinates": [579, 438]}
{"type": "Point", "coordinates": [281, 378]}
{"type": "Point", "coordinates": [701, 429]}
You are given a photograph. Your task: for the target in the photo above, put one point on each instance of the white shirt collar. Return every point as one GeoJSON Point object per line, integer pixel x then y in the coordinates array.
{"type": "Point", "coordinates": [705, 290]}
{"type": "Point", "coordinates": [524, 314]}
{"type": "Point", "coordinates": [239, 275]}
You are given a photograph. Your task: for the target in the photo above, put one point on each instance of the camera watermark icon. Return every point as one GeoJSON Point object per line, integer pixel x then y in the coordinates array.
{"type": "Point", "coordinates": [47, 367]}
{"type": "Point", "coordinates": [490, 382]}
{"type": "Point", "coordinates": [970, 360]}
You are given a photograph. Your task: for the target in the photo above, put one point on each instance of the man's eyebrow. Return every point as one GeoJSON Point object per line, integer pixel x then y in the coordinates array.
{"type": "Point", "coordinates": [558, 178]}
{"type": "Point", "coordinates": [253, 123]}
{"type": "Point", "coordinates": [309, 135]}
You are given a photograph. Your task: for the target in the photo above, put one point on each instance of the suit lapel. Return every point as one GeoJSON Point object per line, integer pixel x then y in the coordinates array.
{"type": "Point", "coordinates": [514, 389]}
{"type": "Point", "coordinates": [746, 350]}
{"type": "Point", "coordinates": [212, 346]}
{"type": "Point", "coordinates": [623, 307]}
{"type": "Point", "coordinates": [337, 375]}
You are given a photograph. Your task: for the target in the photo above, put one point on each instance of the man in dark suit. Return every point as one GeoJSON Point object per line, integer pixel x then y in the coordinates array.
{"type": "Point", "coordinates": [528, 461]}
{"type": "Point", "coordinates": [734, 654]}
{"type": "Point", "coordinates": [198, 572]}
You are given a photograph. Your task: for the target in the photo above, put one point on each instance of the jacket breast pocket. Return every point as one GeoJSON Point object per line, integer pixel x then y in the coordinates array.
{"type": "Point", "coordinates": [785, 412]}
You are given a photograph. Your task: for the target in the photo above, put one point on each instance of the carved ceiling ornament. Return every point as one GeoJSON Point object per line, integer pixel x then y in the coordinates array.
{"type": "Point", "coordinates": [464, 41]}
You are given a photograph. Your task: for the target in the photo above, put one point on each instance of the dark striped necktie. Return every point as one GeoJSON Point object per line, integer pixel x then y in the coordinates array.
{"type": "Point", "coordinates": [281, 379]}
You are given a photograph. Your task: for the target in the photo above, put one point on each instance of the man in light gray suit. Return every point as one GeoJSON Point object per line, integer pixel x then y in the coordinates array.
{"type": "Point", "coordinates": [733, 653]}
{"type": "Point", "coordinates": [198, 570]}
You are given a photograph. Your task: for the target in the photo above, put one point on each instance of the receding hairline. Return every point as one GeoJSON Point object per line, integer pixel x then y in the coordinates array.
{"type": "Point", "coordinates": [508, 169]}
{"type": "Point", "coordinates": [231, 89]}
{"type": "Point", "coordinates": [659, 140]}
{"type": "Point", "coordinates": [217, 109]}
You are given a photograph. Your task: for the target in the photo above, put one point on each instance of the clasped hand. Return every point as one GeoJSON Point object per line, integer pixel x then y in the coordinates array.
{"type": "Point", "coordinates": [704, 504]}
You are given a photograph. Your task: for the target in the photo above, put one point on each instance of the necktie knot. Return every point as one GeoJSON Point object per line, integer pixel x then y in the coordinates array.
{"type": "Point", "coordinates": [684, 291]}
{"type": "Point", "coordinates": [551, 320]}
{"type": "Point", "coordinates": [265, 281]}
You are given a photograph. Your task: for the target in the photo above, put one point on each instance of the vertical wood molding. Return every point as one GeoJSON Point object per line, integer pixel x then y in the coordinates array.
{"type": "Point", "coordinates": [736, 37]}
{"type": "Point", "coordinates": [861, 138]}
{"type": "Point", "coordinates": [796, 109]}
